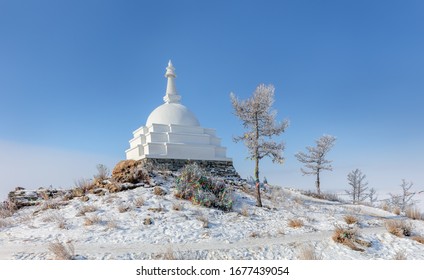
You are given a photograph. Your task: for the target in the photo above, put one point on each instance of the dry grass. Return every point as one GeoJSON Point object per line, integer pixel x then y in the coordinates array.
{"type": "Point", "coordinates": [414, 213]}
{"type": "Point", "coordinates": [4, 223]}
{"type": "Point", "coordinates": [350, 219]}
{"type": "Point", "coordinates": [123, 208]}
{"type": "Point", "coordinates": [139, 201]}
{"type": "Point", "coordinates": [308, 253]}
{"type": "Point", "coordinates": [159, 191]}
{"type": "Point", "coordinates": [86, 209]}
{"type": "Point", "coordinates": [295, 223]}
{"type": "Point", "coordinates": [62, 251]}
{"type": "Point", "coordinates": [148, 221]}
{"type": "Point", "coordinates": [204, 220]}
{"type": "Point", "coordinates": [7, 209]}
{"type": "Point", "coordinates": [112, 224]}
{"type": "Point", "coordinates": [177, 206]}
{"type": "Point", "coordinates": [254, 234]}
{"type": "Point", "coordinates": [245, 211]}
{"type": "Point", "coordinates": [168, 255]}
{"type": "Point", "coordinates": [50, 204]}
{"type": "Point", "coordinates": [400, 256]}
{"type": "Point", "coordinates": [89, 221]}
{"type": "Point", "coordinates": [399, 228]}
{"type": "Point", "coordinates": [385, 206]}
{"type": "Point", "coordinates": [349, 237]}
{"type": "Point", "coordinates": [419, 239]}
{"type": "Point", "coordinates": [396, 211]}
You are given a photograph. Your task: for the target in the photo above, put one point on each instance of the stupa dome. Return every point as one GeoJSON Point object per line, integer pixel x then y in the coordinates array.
{"type": "Point", "coordinates": [172, 113]}
{"type": "Point", "coordinates": [172, 131]}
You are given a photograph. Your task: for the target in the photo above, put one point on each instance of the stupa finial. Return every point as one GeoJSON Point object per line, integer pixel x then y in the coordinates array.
{"type": "Point", "coordinates": [171, 95]}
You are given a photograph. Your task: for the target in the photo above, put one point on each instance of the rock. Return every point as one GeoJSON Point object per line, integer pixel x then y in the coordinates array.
{"type": "Point", "coordinates": [129, 171]}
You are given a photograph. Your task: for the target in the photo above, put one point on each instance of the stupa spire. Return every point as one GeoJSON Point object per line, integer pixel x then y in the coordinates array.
{"type": "Point", "coordinates": [171, 95]}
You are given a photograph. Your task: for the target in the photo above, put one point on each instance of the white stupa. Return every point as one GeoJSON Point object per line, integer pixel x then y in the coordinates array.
{"type": "Point", "coordinates": [173, 132]}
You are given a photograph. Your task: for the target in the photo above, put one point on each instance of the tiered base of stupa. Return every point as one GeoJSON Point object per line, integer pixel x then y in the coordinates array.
{"type": "Point", "coordinates": [224, 169]}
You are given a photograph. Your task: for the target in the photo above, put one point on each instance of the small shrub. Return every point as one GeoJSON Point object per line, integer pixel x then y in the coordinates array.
{"type": "Point", "coordinates": [295, 223]}
{"type": "Point", "coordinates": [62, 251]}
{"type": "Point", "coordinates": [254, 234]}
{"type": "Point", "coordinates": [148, 221]}
{"type": "Point", "coordinates": [86, 209]}
{"type": "Point", "coordinates": [350, 220]}
{"type": "Point", "coordinates": [348, 237]}
{"type": "Point", "coordinates": [102, 172]}
{"type": "Point", "coordinates": [159, 191]}
{"type": "Point", "coordinates": [4, 223]}
{"type": "Point", "coordinates": [195, 185]}
{"type": "Point", "coordinates": [112, 224]}
{"type": "Point", "coordinates": [385, 206]}
{"type": "Point", "coordinates": [84, 185]}
{"type": "Point", "coordinates": [324, 196]}
{"type": "Point", "coordinates": [399, 228]}
{"type": "Point", "coordinates": [89, 221]}
{"type": "Point", "coordinates": [7, 209]}
{"type": "Point", "coordinates": [396, 211]}
{"type": "Point", "coordinates": [308, 253]}
{"type": "Point", "coordinates": [123, 208]}
{"type": "Point", "coordinates": [177, 206]}
{"type": "Point", "coordinates": [139, 201]}
{"type": "Point", "coordinates": [414, 213]}
{"type": "Point", "coordinates": [204, 220]}
{"type": "Point", "coordinates": [245, 211]}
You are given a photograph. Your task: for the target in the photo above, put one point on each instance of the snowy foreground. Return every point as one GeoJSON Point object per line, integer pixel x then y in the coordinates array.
{"type": "Point", "coordinates": [138, 224]}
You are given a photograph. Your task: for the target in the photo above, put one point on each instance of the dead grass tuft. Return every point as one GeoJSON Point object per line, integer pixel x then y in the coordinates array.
{"type": "Point", "coordinates": [62, 251]}
{"type": "Point", "coordinates": [245, 211]}
{"type": "Point", "coordinates": [123, 208]}
{"type": "Point", "coordinates": [414, 213]}
{"type": "Point", "coordinates": [4, 223]}
{"type": "Point", "coordinates": [308, 253]}
{"type": "Point", "coordinates": [86, 209]}
{"type": "Point", "coordinates": [295, 223]}
{"type": "Point", "coordinates": [419, 239]}
{"type": "Point", "coordinates": [350, 219]}
{"type": "Point", "coordinates": [159, 191]}
{"type": "Point", "coordinates": [7, 209]}
{"type": "Point", "coordinates": [112, 224]}
{"type": "Point", "coordinates": [148, 221]}
{"type": "Point", "coordinates": [204, 219]}
{"type": "Point", "coordinates": [396, 211]}
{"type": "Point", "coordinates": [139, 201]}
{"type": "Point", "coordinates": [349, 238]}
{"type": "Point", "coordinates": [177, 206]}
{"type": "Point", "coordinates": [89, 221]}
{"type": "Point", "coordinates": [254, 234]}
{"type": "Point", "coordinates": [399, 228]}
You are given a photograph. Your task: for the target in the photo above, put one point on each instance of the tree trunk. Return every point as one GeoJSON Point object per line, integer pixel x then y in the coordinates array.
{"type": "Point", "coordinates": [258, 185]}
{"type": "Point", "coordinates": [317, 184]}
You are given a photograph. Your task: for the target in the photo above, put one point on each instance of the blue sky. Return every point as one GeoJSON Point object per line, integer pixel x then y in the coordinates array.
{"type": "Point", "coordinates": [77, 77]}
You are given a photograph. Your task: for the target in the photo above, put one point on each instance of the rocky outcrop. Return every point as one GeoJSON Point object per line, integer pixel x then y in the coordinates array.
{"type": "Point", "coordinates": [130, 171]}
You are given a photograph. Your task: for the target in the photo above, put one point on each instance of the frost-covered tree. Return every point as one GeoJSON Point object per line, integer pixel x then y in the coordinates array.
{"type": "Point", "coordinates": [404, 199]}
{"type": "Point", "coordinates": [259, 120]}
{"type": "Point", "coordinates": [314, 160]}
{"type": "Point", "coordinates": [372, 196]}
{"type": "Point", "coordinates": [358, 186]}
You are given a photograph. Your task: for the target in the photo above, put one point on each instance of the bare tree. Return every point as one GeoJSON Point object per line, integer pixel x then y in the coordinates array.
{"type": "Point", "coordinates": [372, 196]}
{"type": "Point", "coordinates": [359, 186]}
{"type": "Point", "coordinates": [315, 160]}
{"type": "Point", "coordinates": [259, 120]}
{"type": "Point", "coordinates": [404, 199]}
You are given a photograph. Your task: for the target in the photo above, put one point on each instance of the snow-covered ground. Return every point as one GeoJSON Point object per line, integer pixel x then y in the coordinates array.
{"type": "Point", "coordinates": [116, 228]}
